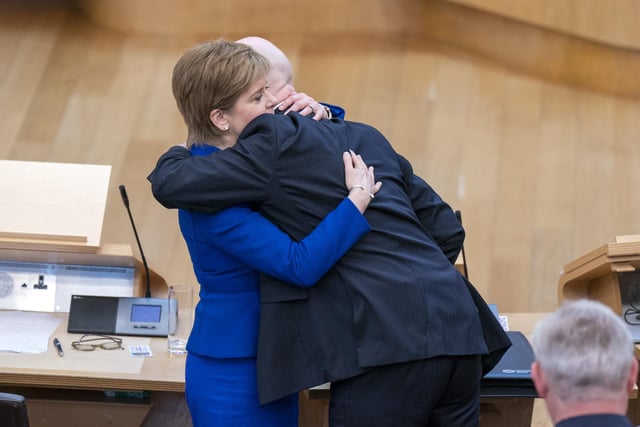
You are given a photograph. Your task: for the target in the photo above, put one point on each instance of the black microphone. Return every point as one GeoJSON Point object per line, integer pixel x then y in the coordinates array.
{"type": "Point", "coordinates": [464, 257]}
{"type": "Point", "coordinates": [125, 200]}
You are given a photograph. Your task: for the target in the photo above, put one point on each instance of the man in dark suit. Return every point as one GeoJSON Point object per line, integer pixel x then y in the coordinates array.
{"type": "Point", "coordinates": [393, 325]}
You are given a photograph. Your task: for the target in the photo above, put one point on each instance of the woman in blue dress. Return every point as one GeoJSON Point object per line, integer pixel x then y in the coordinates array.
{"type": "Point", "coordinates": [219, 88]}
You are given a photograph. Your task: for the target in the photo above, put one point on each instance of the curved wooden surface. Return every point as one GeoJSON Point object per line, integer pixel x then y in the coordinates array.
{"type": "Point", "coordinates": [594, 275]}
{"type": "Point", "coordinates": [603, 60]}
{"type": "Point", "coordinates": [206, 17]}
{"type": "Point", "coordinates": [555, 56]}
{"type": "Point", "coordinates": [609, 22]}
{"type": "Point", "coordinates": [612, 23]}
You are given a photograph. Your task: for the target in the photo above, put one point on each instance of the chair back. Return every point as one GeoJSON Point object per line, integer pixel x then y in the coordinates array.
{"type": "Point", "coordinates": [13, 410]}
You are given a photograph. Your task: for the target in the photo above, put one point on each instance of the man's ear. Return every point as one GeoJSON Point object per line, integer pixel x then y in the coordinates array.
{"type": "Point", "coordinates": [219, 119]}
{"type": "Point", "coordinates": [633, 375]}
{"type": "Point", "coordinates": [539, 381]}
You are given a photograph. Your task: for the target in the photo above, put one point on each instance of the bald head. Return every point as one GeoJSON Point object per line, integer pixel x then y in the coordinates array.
{"type": "Point", "coordinates": [280, 78]}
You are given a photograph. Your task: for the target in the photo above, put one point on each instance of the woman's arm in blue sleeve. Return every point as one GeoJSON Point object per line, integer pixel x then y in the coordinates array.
{"type": "Point", "coordinates": [337, 112]}
{"type": "Point", "coordinates": [251, 238]}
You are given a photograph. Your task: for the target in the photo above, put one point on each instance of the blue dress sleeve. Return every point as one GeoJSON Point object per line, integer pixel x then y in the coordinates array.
{"type": "Point", "coordinates": [337, 112]}
{"type": "Point", "coordinates": [252, 239]}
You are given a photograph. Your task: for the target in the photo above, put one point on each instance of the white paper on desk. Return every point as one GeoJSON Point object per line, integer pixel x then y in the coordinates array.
{"type": "Point", "coordinates": [26, 332]}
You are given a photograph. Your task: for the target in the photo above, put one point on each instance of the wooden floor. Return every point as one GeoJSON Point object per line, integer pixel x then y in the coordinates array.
{"type": "Point", "coordinates": [541, 172]}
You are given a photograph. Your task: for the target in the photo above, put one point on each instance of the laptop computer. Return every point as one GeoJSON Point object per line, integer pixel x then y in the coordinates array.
{"type": "Point", "coordinates": [512, 375]}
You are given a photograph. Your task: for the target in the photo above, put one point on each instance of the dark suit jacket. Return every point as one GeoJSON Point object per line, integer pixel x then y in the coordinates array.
{"type": "Point", "coordinates": [394, 297]}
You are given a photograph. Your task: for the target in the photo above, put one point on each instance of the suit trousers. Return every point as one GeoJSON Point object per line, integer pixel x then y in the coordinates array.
{"type": "Point", "coordinates": [436, 392]}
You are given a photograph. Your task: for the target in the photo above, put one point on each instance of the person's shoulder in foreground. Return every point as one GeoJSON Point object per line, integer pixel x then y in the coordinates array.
{"type": "Point", "coordinates": [584, 365]}
{"type": "Point", "coordinates": [596, 420]}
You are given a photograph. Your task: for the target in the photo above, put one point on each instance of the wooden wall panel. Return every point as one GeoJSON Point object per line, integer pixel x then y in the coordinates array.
{"type": "Point", "coordinates": [550, 54]}
{"type": "Point", "coordinates": [520, 34]}
{"type": "Point", "coordinates": [542, 171]}
{"type": "Point", "coordinates": [608, 22]}
{"type": "Point", "coordinates": [171, 17]}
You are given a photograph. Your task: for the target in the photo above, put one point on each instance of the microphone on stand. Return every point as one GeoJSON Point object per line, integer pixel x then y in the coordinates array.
{"type": "Point", "coordinates": [125, 200]}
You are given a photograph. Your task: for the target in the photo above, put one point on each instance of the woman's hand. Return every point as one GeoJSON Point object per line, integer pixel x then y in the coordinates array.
{"type": "Point", "coordinates": [359, 180]}
{"type": "Point", "coordinates": [304, 105]}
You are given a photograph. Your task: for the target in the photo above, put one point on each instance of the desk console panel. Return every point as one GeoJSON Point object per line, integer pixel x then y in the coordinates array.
{"type": "Point", "coordinates": [91, 314]}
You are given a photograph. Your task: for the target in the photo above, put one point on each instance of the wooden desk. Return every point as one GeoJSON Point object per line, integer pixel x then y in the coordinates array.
{"type": "Point", "coordinates": [60, 389]}
{"type": "Point", "coordinates": [52, 383]}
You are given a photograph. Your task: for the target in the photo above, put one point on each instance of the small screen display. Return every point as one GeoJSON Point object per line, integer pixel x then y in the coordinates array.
{"type": "Point", "coordinates": [146, 313]}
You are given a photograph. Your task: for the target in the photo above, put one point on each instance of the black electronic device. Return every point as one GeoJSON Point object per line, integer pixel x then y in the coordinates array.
{"type": "Point", "coordinates": [512, 375]}
{"type": "Point", "coordinates": [91, 314]}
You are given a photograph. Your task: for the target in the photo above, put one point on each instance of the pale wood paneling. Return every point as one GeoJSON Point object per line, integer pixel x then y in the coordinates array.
{"type": "Point", "coordinates": [541, 172]}
{"type": "Point", "coordinates": [251, 16]}
{"type": "Point", "coordinates": [610, 22]}
{"type": "Point", "coordinates": [551, 54]}
{"type": "Point", "coordinates": [584, 43]}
